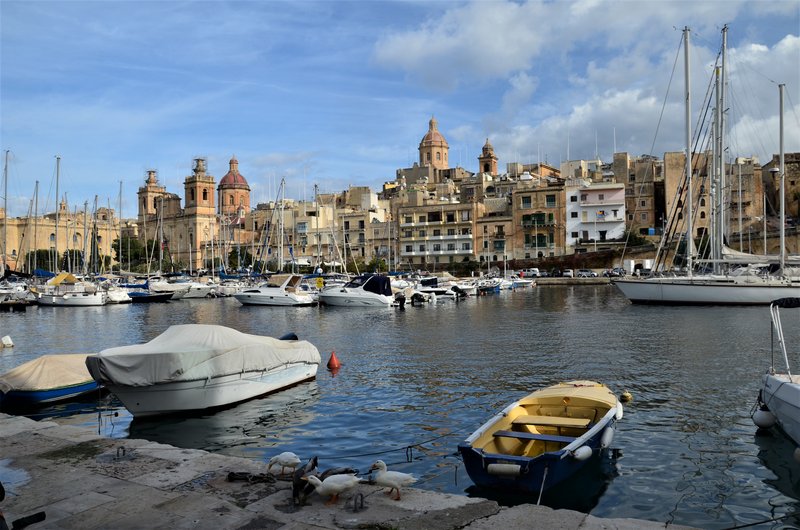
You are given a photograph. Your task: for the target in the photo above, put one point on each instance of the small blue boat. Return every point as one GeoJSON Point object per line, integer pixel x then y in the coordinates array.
{"type": "Point", "coordinates": [543, 439]}
{"type": "Point", "coordinates": [46, 380]}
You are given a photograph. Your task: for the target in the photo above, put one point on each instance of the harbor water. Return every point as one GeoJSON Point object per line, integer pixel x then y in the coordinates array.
{"type": "Point", "coordinates": [416, 382]}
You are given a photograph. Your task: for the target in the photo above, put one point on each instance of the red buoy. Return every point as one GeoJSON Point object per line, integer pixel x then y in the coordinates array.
{"type": "Point", "coordinates": [333, 362]}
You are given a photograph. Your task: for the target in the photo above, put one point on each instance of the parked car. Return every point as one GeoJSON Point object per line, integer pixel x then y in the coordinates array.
{"type": "Point", "coordinates": [616, 272]}
{"type": "Point", "coordinates": [586, 273]}
{"type": "Point", "coordinates": [544, 274]}
{"type": "Point", "coordinates": [567, 273]}
{"type": "Point", "coordinates": [529, 273]}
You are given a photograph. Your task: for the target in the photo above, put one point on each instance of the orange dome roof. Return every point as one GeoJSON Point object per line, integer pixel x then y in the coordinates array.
{"type": "Point", "coordinates": [433, 136]}
{"type": "Point", "coordinates": [233, 179]}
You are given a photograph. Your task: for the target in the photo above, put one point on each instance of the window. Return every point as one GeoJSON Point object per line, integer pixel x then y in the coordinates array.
{"type": "Point", "coordinates": [422, 218]}
{"type": "Point", "coordinates": [407, 233]}
{"type": "Point", "coordinates": [550, 201]}
{"type": "Point", "coordinates": [573, 198]}
{"type": "Point", "coordinates": [437, 247]}
{"type": "Point", "coordinates": [644, 216]}
{"type": "Point", "coordinates": [451, 246]}
{"type": "Point", "coordinates": [408, 219]}
{"type": "Point", "coordinates": [52, 239]}
{"type": "Point", "coordinates": [230, 200]}
{"type": "Point", "coordinates": [573, 215]}
{"type": "Point", "coordinates": [485, 229]}
{"type": "Point", "coordinates": [361, 225]}
{"type": "Point", "coordinates": [437, 232]}
{"type": "Point", "coordinates": [451, 217]}
{"type": "Point", "coordinates": [702, 202]}
{"type": "Point", "coordinates": [615, 213]}
{"type": "Point", "coordinates": [427, 157]}
{"type": "Point", "coordinates": [526, 201]}
{"type": "Point", "coordinates": [205, 194]}
{"type": "Point", "coordinates": [601, 197]}
{"type": "Point", "coordinates": [422, 233]}
{"type": "Point", "coordinates": [408, 248]}
{"type": "Point", "coordinates": [75, 238]}
{"type": "Point", "coordinates": [422, 248]}
{"type": "Point", "coordinates": [630, 217]}
{"type": "Point", "coordinates": [702, 215]}
{"type": "Point", "coordinates": [438, 156]}
{"type": "Point", "coordinates": [347, 225]}
{"type": "Point", "coordinates": [574, 235]}
{"type": "Point", "coordinates": [466, 246]}
{"type": "Point", "coordinates": [643, 204]}
{"type": "Point", "coordinates": [485, 244]}
{"type": "Point", "coordinates": [465, 215]}
{"type": "Point", "coordinates": [584, 197]}
{"type": "Point", "coordinates": [191, 194]}
{"type": "Point", "coordinates": [451, 231]}
{"type": "Point", "coordinates": [498, 230]}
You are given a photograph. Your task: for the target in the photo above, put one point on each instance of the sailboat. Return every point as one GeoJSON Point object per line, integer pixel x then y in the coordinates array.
{"type": "Point", "coordinates": [780, 392]}
{"type": "Point", "coordinates": [747, 285]}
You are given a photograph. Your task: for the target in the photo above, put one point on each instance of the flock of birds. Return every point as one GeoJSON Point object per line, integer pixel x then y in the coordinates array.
{"type": "Point", "coordinates": [333, 482]}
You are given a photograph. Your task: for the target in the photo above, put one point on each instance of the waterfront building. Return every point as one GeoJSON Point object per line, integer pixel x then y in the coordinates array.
{"type": "Point", "coordinates": [539, 217]}
{"type": "Point", "coordinates": [643, 178]}
{"type": "Point", "coordinates": [595, 215]}
{"type": "Point", "coordinates": [181, 235]}
{"type": "Point", "coordinates": [84, 245]}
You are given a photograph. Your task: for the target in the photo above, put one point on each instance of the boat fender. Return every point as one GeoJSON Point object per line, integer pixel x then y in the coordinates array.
{"type": "Point", "coordinates": [582, 453]}
{"type": "Point", "coordinates": [626, 396]}
{"type": "Point", "coordinates": [504, 470]}
{"type": "Point", "coordinates": [763, 418]}
{"type": "Point", "coordinates": [7, 342]}
{"type": "Point", "coordinates": [607, 437]}
{"type": "Point", "coordinates": [619, 412]}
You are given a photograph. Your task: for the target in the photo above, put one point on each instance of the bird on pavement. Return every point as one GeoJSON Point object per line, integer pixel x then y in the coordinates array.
{"type": "Point", "coordinates": [287, 459]}
{"type": "Point", "coordinates": [334, 485]}
{"type": "Point", "coordinates": [301, 489]}
{"type": "Point", "coordinates": [394, 480]}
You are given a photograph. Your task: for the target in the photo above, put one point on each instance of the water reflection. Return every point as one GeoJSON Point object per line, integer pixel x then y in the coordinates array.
{"type": "Point", "coordinates": [426, 377]}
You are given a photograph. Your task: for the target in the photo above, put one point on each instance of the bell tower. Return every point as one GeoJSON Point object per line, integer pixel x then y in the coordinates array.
{"type": "Point", "coordinates": [487, 162]}
{"type": "Point", "coordinates": [433, 148]}
{"type": "Point", "coordinates": [149, 195]}
{"type": "Point", "coordinates": [199, 190]}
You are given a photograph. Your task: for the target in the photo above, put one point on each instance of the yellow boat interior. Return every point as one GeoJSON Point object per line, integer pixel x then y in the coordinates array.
{"type": "Point", "coordinates": [548, 419]}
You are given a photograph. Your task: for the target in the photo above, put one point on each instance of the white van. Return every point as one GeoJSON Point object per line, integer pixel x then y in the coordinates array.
{"type": "Point", "coordinates": [529, 273]}
{"type": "Point", "coordinates": [567, 273]}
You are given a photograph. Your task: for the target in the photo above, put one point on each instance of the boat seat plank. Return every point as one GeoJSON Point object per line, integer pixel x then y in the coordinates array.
{"type": "Point", "coordinates": [535, 436]}
{"type": "Point", "coordinates": [552, 421]}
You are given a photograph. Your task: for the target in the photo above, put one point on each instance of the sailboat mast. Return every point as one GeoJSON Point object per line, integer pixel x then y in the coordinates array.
{"type": "Point", "coordinates": [721, 218]}
{"type": "Point", "coordinates": [782, 186]}
{"type": "Point", "coordinates": [688, 116]}
{"type": "Point", "coordinates": [58, 208]}
{"type": "Point", "coordinates": [35, 226]}
{"type": "Point", "coordinates": [119, 220]}
{"type": "Point", "coordinates": [5, 208]}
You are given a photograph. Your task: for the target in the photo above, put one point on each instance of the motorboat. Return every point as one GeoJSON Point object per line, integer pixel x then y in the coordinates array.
{"type": "Point", "coordinates": [141, 296]}
{"type": "Point", "coordinates": [366, 290]}
{"type": "Point", "coordinates": [46, 380]}
{"type": "Point", "coordinates": [193, 367]}
{"type": "Point", "coordinates": [280, 289]}
{"type": "Point", "coordinates": [156, 284]}
{"type": "Point", "coordinates": [779, 397]}
{"type": "Point", "coordinates": [543, 439]}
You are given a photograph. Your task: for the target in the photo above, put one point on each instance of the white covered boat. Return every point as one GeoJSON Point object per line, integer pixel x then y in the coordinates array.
{"type": "Point", "coordinates": [200, 366]}
{"type": "Point", "coordinates": [280, 289]}
{"type": "Point", "coordinates": [779, 398]}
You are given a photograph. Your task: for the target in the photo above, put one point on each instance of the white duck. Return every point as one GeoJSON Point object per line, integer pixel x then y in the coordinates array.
{"type": "Point", "coordinates": [333, 485]}
{"type": "Point", "coordinates": [287, 459]}
{"type": "Point", "coordinates": [393, 480]}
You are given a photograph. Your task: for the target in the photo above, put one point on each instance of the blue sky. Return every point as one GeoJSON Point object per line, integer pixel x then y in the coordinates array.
{"type": "Point", "coordinates": [340, 93]}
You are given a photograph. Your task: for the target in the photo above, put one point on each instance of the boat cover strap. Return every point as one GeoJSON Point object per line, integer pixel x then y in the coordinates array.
{"type": "Point", "coordinates": [534, 436]}
{"type": "Point", "coordinates": [552, 421]}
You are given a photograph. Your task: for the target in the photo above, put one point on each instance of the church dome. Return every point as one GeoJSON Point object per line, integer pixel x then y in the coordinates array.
{"type": "Point", "coordinates": [433, 137]}
{"type": "Point", "coordinates": [233, 179]}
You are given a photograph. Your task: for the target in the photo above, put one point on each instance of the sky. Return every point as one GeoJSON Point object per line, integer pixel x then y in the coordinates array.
{"type": "Point", "coordinates": [339, 94]}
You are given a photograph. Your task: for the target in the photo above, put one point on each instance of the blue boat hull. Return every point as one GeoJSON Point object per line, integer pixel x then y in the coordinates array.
{"type": "Point", "coordinates": [28, 399]}
{"type": "Point", "coordinates": [535, 474]}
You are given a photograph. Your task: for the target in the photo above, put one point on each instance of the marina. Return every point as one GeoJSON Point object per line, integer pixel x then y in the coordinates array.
{"type": "Point", "coordinates": [415, 383]}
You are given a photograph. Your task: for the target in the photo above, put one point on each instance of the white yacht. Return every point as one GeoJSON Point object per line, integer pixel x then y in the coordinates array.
{"type": "Point", "coordinates": [280, 289]}
{"type": "Point", "coordinates": [366, 290]}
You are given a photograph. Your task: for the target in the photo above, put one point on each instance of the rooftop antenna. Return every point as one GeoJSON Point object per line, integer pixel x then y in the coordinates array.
{"type": "Point", "coordinates": [615, 139]}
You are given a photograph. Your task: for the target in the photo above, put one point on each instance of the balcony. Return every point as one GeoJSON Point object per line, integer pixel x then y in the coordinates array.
{"type": "Point", "coordinates": [534, 224]}
{"type": "Point", "coordinates": [457, 252]}
{"type": "Point", "coordinates": [604, 202]}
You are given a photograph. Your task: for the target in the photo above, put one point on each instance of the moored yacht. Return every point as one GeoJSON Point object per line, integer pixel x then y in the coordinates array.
{"type": "Point", "coordinates": [366, 290]}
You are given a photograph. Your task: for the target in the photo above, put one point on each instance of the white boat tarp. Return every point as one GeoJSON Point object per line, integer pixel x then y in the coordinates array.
{"type": "Point", "coordinates": [190, 352]}
{"type": "Point", "coordinates": [46, 372]}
